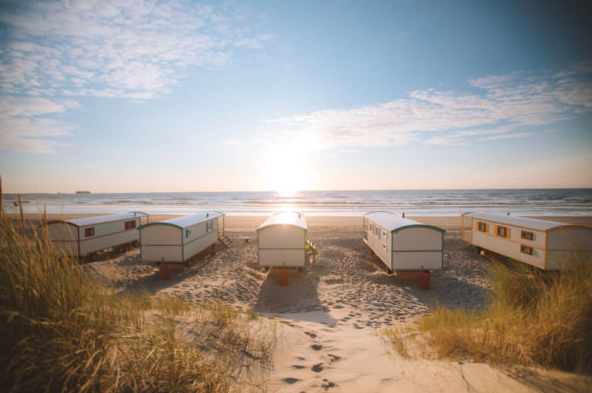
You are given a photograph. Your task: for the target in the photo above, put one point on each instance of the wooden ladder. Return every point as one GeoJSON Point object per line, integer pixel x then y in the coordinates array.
{"type": "Point", "coordinates": [225, 240]}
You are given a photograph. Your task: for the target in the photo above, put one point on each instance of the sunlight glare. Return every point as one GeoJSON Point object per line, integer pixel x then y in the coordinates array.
{"type": "Point", "coordinates": [286, 168]}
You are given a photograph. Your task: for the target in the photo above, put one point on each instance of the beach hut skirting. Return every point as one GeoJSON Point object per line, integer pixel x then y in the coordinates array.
{"type": "Point", "coordinates": [179, 239]}
{"type": "Point", "coordinates": [547, 245]}
{"type": "Point", "coordinates": [404, 244]}
{"type": "Point", "coordinates": [281, 240]}
{"type": "Point", "coordinates": [83, 236]}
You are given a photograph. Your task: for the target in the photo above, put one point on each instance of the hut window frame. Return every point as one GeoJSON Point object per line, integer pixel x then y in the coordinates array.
{"type": "Point", "coordinates": [130, 224]}
{"type": "Point", "coordinates": [502, 231]}
{"type": "Point", "coordinates": [89, 232]}
{"type": "Point", "coordinates": [527, 235]}
{"type": "Point", "coordinates": [525, 249]}
{"type": "Point", "coordinates": [482, 226]}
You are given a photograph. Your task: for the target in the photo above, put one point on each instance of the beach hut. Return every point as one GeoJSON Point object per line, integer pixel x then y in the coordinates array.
{"type": "Point", "coordinates": [82, 236]}
{"type": "Point", "coordinates": [281, 240]}
{"type": "Point", "coordinates": [178, 239]}
{"type": "Point", "coordinates": [547, 245]}
{"type": "Point", "coordinates": [404, 244]}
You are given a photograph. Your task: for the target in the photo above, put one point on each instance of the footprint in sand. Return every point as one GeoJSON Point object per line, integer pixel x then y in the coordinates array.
{"type": "Point", "coordinates": [327, 384]}
{"type": "Point", "coordinates": [290, 380]}
{"type": "Point", "coordinates": [309, 334]}
{"type": "Point", "coordinates": [316, 347]}
{"type": "Point", "coordinates": [317, 368]}
{"type": "Point", "coordinates": [333, 358]}
{"type": "Point", "coordinates": [298, 366]}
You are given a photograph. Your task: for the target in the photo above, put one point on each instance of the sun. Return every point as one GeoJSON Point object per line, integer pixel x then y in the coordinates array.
{"type": "Point", "coordinates": [286, 170]}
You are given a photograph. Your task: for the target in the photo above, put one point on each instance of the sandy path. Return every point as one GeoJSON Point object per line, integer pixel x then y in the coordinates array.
{"type": "Point", "coordinates": [317, 354]}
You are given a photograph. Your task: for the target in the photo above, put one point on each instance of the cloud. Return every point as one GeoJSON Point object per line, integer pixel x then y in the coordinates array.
{"type": "Point", "coordinates": [129, 49]}
{"type": "Point", "coordinates": [505, 136]}
{"type": "Point", "coordinates": [489, 108]}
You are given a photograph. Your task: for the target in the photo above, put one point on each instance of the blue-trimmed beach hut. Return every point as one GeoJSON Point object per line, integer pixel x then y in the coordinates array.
{"type": "Point", "coordinates": [404, 244]}
{"type": "Point", "coordinates": [179, 239]}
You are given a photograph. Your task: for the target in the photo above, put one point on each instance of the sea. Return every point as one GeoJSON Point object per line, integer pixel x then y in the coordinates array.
{"type": "Point", "coordinates": [533, 202]}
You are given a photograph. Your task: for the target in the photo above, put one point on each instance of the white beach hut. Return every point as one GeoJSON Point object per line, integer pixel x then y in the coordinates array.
{"type": "Point", "coordinates": [281, 240]}
{"type": "Point", "coordinates": [83, 236]}
{"type": "Point", "coordinates": [404, 244]}
{"type": "Point", "coordinates": [179, 239]}
{"type": "Point", "coordinates": [547, 245]}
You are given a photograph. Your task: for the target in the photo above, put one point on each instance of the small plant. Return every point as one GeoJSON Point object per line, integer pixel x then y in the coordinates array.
{"type": "Point", "coordinates": [532, 317]}
{"type": "Point", "coordinates": [252, 314]}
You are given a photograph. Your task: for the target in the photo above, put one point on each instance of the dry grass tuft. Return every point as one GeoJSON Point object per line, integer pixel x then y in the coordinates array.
{"type": "Point", "coordinates": [533, 317]}
{"type": "Point", "coordinates": [61, 332]}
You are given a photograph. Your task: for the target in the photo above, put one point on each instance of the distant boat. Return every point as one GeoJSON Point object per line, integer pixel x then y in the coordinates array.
{"type": "Point", "coordinates": [82, 192]}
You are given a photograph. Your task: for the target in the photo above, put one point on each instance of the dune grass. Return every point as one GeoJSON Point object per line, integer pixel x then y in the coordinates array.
{"type": "Point", "coordinates": [532, 318]}
{"type": "Point", "coordinates": [59, 331]}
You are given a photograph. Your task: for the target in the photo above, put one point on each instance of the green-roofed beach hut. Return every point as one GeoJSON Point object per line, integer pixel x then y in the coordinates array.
{"type": "Point", "coordinates": [404, 244]}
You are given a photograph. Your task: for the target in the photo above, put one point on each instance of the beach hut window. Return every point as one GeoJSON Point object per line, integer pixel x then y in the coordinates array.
{"type": "Point", "coordinates": [526, 250]}
{"type": "Point", "coordinates": [501, 231]}
{"type": "Point", "coordinates": [482, 226]}
{"type": "Point", "coordinates": [88, 232]}
{"type": "Point", "coordinates": [187, 232]}
{"type": "Point", "coordinates": [527, 235]}
{"type": "Point", "coordinates": [130, 224]}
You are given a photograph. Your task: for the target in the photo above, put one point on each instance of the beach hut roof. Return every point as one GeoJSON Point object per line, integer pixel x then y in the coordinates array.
{"type": "Point", "coordinates": [187, 221]}
{"type": "Point", "coordinates": [285, 218]}
{"type": "Point", "coordinates": [523, 222]}
{"type": "Point", "coordinates": [394, 223]}
{"type": "Point", "coordinates": [83, 222]}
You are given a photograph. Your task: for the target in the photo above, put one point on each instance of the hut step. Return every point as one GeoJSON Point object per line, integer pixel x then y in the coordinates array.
{"type": "Point", "coordinates": [225, 240]}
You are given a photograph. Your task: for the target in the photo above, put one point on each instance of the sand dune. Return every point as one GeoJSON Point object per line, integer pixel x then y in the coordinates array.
{"type": "Point", "coordinates": [332, 313]}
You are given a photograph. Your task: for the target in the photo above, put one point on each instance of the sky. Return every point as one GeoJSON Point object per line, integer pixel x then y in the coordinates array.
{"type": "Point", "coordinates": [176, 95]}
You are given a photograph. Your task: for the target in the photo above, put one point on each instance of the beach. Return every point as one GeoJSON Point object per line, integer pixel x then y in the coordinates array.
{"type": "Point", "coordinates": [331, 315]}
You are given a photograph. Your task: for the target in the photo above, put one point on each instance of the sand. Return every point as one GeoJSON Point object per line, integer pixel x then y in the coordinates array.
{"type": "Point", "coordinates": [331, 315]}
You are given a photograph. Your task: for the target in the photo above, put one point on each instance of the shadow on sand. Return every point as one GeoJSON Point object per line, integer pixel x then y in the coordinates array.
{"type": "Point", "coordinates": [300, 295]}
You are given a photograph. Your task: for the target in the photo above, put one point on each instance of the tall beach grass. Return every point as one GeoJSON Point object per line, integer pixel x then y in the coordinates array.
{"type": "Point", "coordinates": [532, 318]}
{"type": "Point", "coordinates": [61, 332]}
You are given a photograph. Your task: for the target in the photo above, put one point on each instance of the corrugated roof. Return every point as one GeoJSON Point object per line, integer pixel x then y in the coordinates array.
{"type": "Point", "coordinates": [187, 221]}
{"type": "Point", "coordinates": [285, 218]}
{"type": "Point", "coordinates": [82, 222]}
{"type": "Point", "coordinates": [523, 222]}
{"type": "Point", "coordinates": [394, 223]}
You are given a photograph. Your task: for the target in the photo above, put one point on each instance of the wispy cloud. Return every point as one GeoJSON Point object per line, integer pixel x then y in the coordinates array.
{"type": "Point", "coordinates": [489, 108]}
{"type": "Point", "coordinates": [131, 49]}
